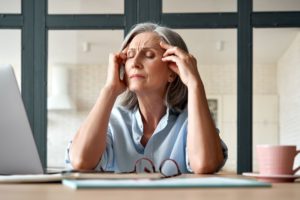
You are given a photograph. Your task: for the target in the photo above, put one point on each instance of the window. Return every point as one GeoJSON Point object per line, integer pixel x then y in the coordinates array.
{"type": "Point", "coordinates": [77, 65]}
{"type": "Point", "coordinates": [276, 94]}
{"type": "Point", "coordinates": [276, 5]}
{"type": "Point", "coordinates": [85, 6]}
{"type": "Point", "coordinates": [10, 6]}
{"type": "Point", "coordinates": [216, 54]}
{"type": "Point", "coordinates": [10, 50]}
{"type": "Point", "coordinates": [189, 6]}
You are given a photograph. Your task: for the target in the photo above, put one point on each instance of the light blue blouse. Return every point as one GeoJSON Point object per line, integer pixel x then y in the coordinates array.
{"type": "Point", "coordinates": [123, 141]}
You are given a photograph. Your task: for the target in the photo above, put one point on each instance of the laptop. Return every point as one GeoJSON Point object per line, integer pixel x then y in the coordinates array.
{"type": "Point", "coordinates": [18, 151]}
{"type": "Point", "coordinates": [19, 156]}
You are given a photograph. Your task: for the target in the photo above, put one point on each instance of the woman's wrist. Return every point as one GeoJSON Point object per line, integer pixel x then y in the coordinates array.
{"type": "Point", "coordinates": [195, 85]}
{"type": "Point", "coordinates": [109, 92]}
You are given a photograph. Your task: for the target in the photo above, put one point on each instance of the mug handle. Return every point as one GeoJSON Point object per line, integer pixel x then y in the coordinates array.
{"type": "Point", "coordinates": [298, 168]}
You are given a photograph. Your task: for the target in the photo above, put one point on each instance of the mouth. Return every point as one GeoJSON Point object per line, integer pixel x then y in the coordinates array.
{"type": "Point", "coordinates": [136, 76]}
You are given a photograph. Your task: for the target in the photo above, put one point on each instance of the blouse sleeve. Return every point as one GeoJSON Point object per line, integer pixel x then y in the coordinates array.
{"type": "Point", "coordinates": [68, 164]}
{"type": "Point", "coordinates": [106, 162]}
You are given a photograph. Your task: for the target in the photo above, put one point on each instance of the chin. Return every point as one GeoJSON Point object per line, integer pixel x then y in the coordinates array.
{"type": "Point", "coordinates": [134, 86]}
{"type": "Point", "coordinates": [136, 89]}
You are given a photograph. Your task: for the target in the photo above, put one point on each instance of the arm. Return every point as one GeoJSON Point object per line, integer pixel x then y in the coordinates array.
{"type": "Point", "coordinates": [203, 142]}
{"type": "Point", "coordinates": [90, 141]}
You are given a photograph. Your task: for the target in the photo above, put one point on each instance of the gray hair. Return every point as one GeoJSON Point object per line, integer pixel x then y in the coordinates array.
{"type": "Point", "coordinates": [176, 95]}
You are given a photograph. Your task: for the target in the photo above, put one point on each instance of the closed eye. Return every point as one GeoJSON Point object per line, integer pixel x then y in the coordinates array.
{"type": "Point", "coordinates": [130, 54]}
{"type": "Point", "coordinates": [149, 54]}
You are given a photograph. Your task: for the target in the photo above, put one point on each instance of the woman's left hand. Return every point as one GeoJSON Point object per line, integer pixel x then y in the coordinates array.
{"type": "Point", "coordinates": [182, 63]}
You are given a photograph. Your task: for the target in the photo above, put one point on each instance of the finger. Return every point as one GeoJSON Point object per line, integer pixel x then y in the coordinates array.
{"type": "Point", "coordinates": [125, 50]}
{"type": "Point", "coordinates": [171, 50]}
{"type": "Point", "coordinates": [173, 63]}
{"type": "Point", "coordinates": [112, 58]}
{"type": "Point", "coordinates": [165, 45]}
{"type": "Point", "coordinates": [175, 51]}
{"type": "Point", "coordinates": [171, 58]}
{"type": "Point", "coordinates": [123, 56]}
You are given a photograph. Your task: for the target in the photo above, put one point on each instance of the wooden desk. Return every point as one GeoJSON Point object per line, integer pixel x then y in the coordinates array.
{"type": "Point", "coordinates": [57, 191]}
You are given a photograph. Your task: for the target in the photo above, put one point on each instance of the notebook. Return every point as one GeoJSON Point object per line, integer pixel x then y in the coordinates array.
{"type": "Point", "coordinates": [58, 177]}
{"type": "Point", "coordinates": [205, 182]}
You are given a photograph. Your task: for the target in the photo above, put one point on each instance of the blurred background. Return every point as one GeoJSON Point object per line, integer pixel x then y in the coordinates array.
{"type": "Point", "coordinates": [77, 62]}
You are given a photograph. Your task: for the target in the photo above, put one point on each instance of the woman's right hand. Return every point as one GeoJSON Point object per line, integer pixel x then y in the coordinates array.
{"type": "Point", "coordinates": [113, 80]}
{"type": "Point", "coordinates": [89, 143]}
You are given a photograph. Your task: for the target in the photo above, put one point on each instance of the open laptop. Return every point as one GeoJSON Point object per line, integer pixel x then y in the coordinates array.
{"type": "Point", "coordinates": [18, 151]}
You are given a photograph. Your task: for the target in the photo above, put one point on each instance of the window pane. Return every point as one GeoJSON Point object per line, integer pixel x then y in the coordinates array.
{"type": "Point", "coordinates": [276, 93]}
{"type": "Point", "coordinates": [10, 6]}
{"type": "Point", "coordinates": [187, 6]}
{"type": "Point", "coordinates": [85, 6]}
{"type": "Point", "coordinates": [10, 50]}
{"type": "Point", "coordinates": [216, 53]}
{"type": "Point", "coordinates": [76, 72]}
{"type": "Point", "coordinates": [276, 5]}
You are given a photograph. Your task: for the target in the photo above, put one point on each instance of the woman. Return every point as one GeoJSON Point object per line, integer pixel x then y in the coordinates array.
{"type": "Point", "coordinates": [164, 114]}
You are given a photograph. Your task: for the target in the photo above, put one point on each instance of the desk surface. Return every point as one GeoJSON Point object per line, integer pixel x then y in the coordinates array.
{"type": "Point", "coordinates": [58, 191]}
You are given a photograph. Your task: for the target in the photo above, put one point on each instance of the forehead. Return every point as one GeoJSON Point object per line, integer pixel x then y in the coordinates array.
{"type": "Point", "coordinates": [146, 39]}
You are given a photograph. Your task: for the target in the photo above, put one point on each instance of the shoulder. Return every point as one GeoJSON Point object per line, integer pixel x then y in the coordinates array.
{"type": "Point", "coordinates": [180, 115]}
{"type": "Point", "coordinates": [121, 110]}
{"type": "Point", "coordinates": [120, 119]}
{"type": "Point", "coordinates": [179, 118]}
{"type": "Point", "coordinates": [121, 113]}
{"type": "Point", "coordinates": [184, 113]}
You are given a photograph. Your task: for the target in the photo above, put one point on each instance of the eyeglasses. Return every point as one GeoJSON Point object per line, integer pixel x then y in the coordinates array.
{"type": "Point", "coordinates": [168, 167]}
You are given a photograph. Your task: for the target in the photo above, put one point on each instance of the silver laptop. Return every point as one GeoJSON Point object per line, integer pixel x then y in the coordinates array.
{"type": "Point", "coordinates": [18, 151]}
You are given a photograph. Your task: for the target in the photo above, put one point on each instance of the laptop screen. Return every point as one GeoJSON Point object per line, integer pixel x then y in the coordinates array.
{"type": "Point", "coordinates": [18, 152]}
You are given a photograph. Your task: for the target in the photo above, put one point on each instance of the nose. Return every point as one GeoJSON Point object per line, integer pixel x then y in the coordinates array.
{"type": "Point", "coordinates": [134, 62]}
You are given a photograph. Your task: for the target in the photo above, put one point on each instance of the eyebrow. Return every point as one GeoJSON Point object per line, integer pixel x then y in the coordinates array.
{"type": "Point", "coordinates": [156, 48]}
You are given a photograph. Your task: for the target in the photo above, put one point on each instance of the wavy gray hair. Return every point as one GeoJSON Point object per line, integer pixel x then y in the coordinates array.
{"type": "Point", "coordinates": [176, 95]}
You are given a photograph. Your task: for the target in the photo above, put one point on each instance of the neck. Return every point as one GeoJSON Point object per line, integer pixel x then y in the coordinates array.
{"type": "Point", "coordinates": [152, 110]}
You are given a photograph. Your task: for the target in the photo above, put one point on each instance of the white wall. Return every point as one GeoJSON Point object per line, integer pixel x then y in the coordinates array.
{"type": "Point", "coordinates": [289, 91]}
{"type": "Point", "coordinates": [10, 50]}
{"type": "Point", "coordinates": [221, 82]}
{"type": "Point", "coordinates": [85, 84]}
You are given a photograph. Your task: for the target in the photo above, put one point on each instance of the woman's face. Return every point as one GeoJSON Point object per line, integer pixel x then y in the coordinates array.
{"type": "Point", "coordinates": [145, 71]}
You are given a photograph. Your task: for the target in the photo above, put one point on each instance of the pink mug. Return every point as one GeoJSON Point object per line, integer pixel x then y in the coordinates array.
{"type": "Point", "coordinates": [276, 159]}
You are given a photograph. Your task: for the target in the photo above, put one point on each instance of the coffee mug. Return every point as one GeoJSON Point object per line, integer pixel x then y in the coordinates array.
{"type": "Point", "coordinates": [276, 159]}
